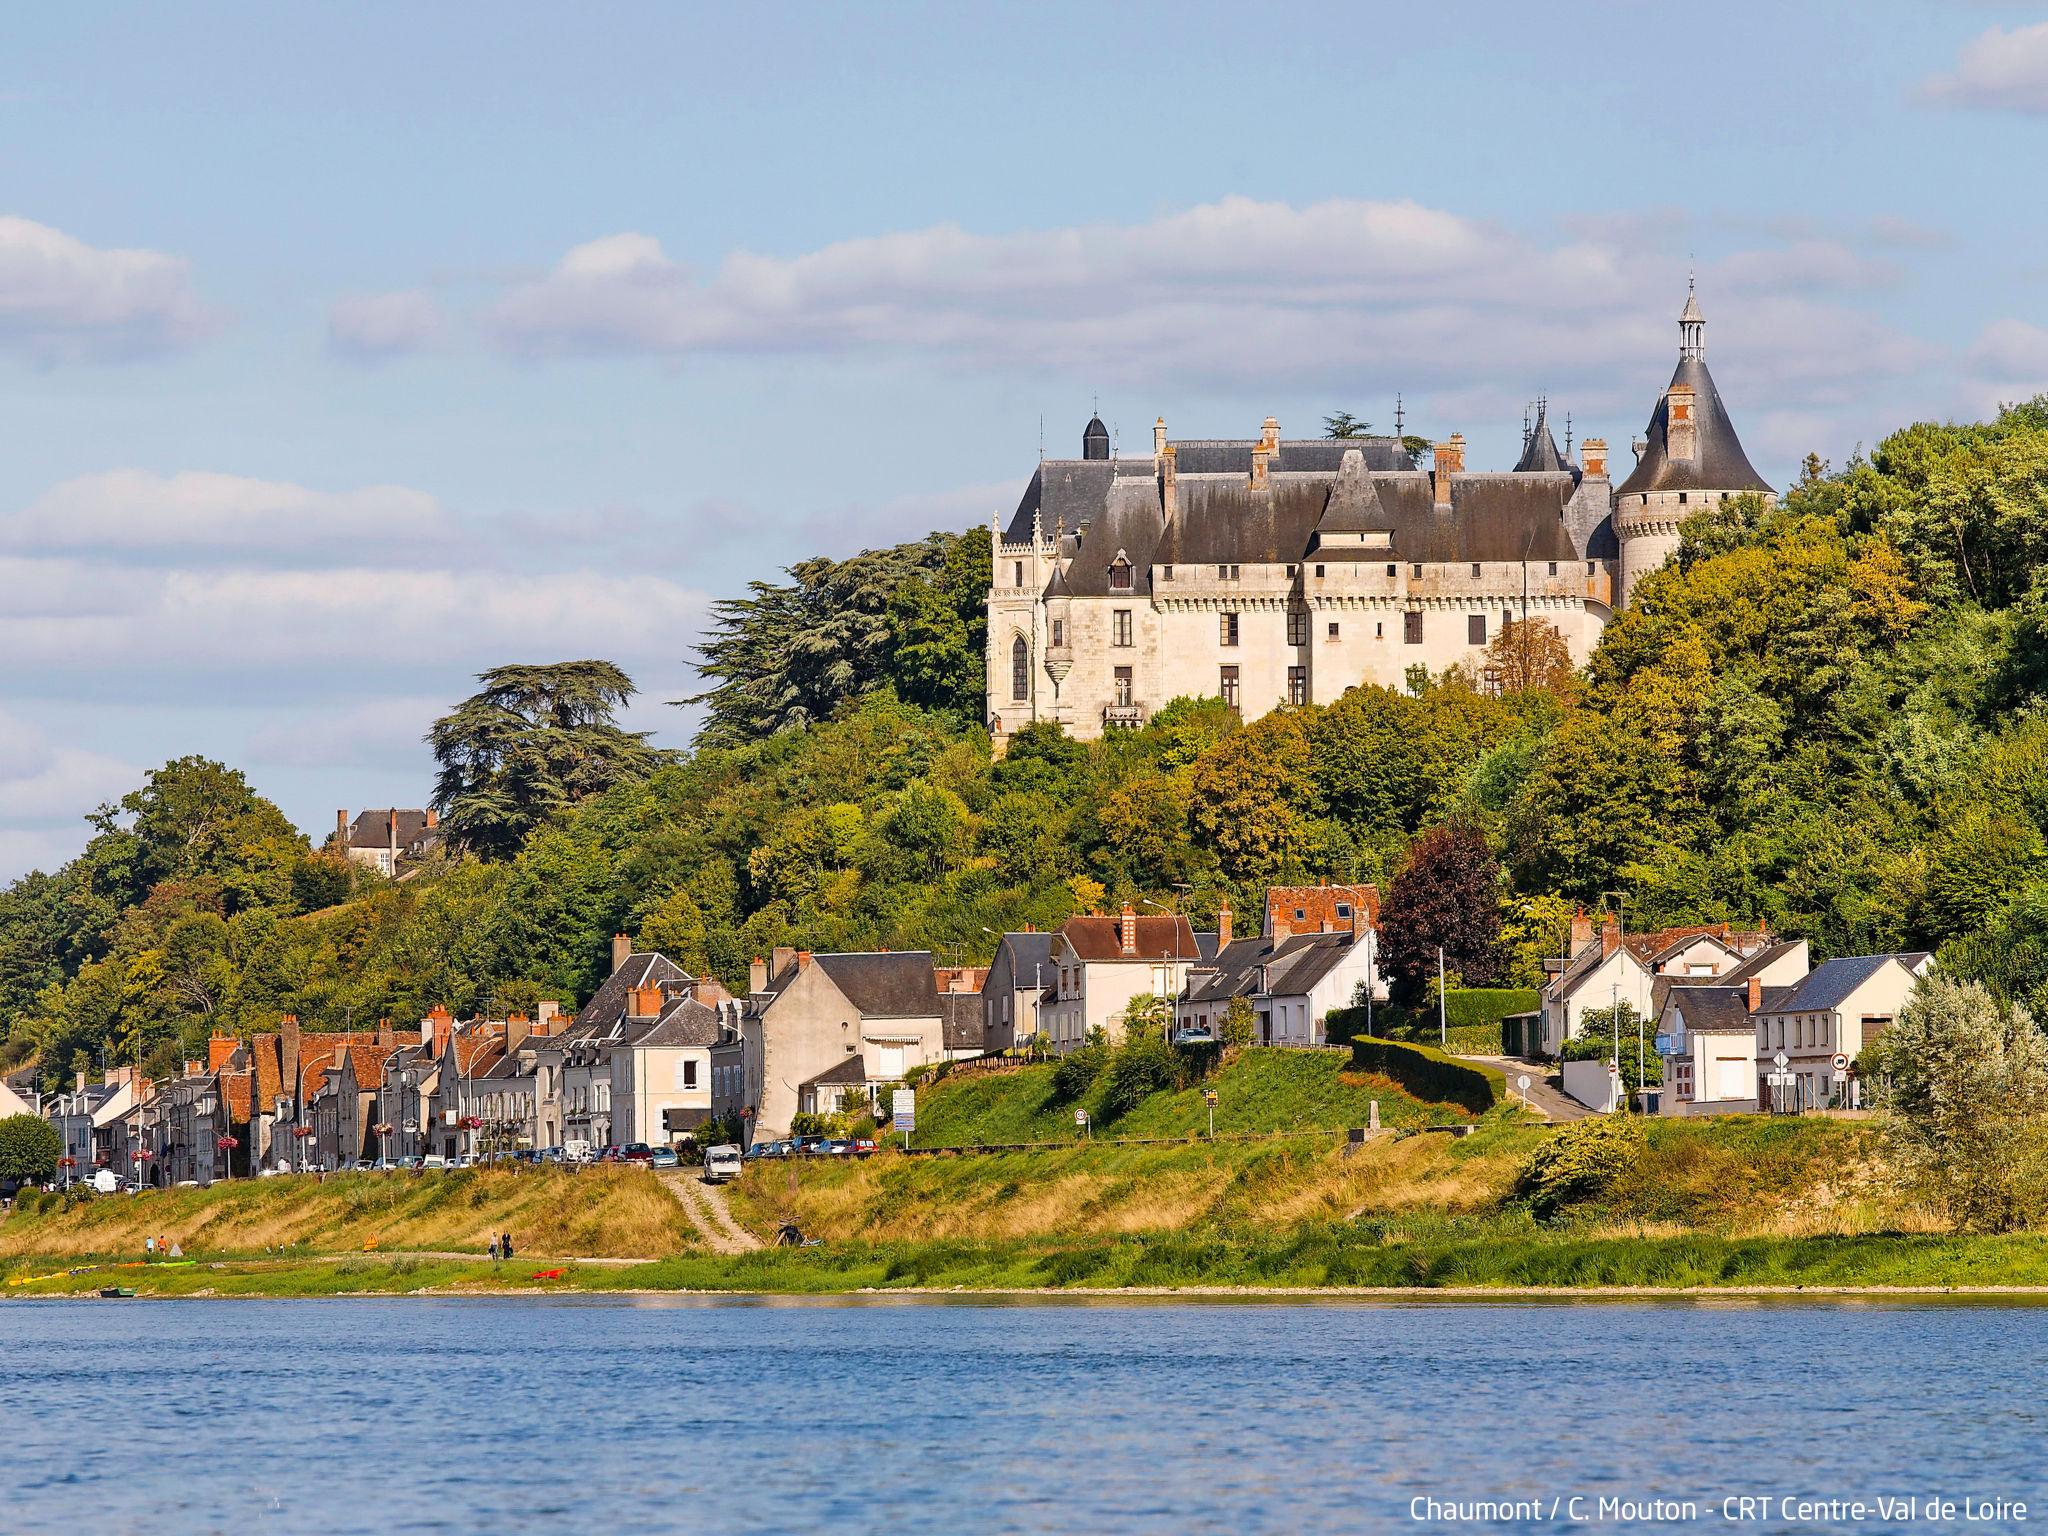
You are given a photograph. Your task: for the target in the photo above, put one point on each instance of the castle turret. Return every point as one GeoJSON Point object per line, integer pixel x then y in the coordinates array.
{"type": "Point", "coordinates": [1691, 458]}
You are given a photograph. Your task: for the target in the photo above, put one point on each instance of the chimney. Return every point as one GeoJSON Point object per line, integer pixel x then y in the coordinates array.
{"type": "Point", "coordinates": [433, 818]}
{"type": "Point", "coordinates": [386, 1038]}
{"type": "Point", "coordinates": [780, 959]}
{"type": "Point", "coordinates": [1450, 460]}
{"type": "Point", "coordinates": [218, 1049]}
{"type": "Point", "coordinates": [646, 1003]}
{"type": "Point", "coordinates": [288, 1047]}
{"type": "Point", "coordinates": [1169, 482]}
{"type": "Point", "coordinates": [1127, 929]}
{"type": "Point", "coordinates": [1582, 930]}
{"type": "Point", "coordinates": [803, 959]}
{"type": "Point", "coordinates": [1594, 451]}
{"type": "Point", "coordinates": [1260, 455]}
{"type": "Point", "coordinates": [622, 951]}
{"type": "Point", "coordinates": [549, 1011]}
{"type": "Point", "coordinates": [1158, 437]}
{"type": "Point", "coordinates": [341, 829]}
{"type": "Point", "coordinates": [81, 1083]}
{"type": "Point", "coordinates": [1681, 428]}
{"type": "Point", "coordinates": [757, 975]}
{"type": "Point", "coordinates": [1756, 993]}
{"type": "Point", "coordinates": [517, 1028]}
{"type": "Point", "coordinates": [1610, 935]}
{"type": "Point", "coordinates": [391, 834]}
{"type": "Point", "coordinates": [1269, 435]}
{"type": "Point", "coordinates": [1223, 923]}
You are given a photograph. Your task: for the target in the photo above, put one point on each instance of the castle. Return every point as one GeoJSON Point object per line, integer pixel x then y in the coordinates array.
{"type": "Point", "coordinates": [1271, 571]}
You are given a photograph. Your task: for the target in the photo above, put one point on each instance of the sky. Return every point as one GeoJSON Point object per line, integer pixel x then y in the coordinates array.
{"type": "Point", "coordinates": [347, 351]}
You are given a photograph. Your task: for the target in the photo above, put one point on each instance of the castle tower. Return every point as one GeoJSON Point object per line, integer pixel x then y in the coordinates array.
{"type": "Point", "coordinates": [1690, 458]}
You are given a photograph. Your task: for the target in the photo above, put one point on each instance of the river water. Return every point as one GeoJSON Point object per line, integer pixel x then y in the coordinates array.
{"type": "Point", "coordinates": [626, 1415]}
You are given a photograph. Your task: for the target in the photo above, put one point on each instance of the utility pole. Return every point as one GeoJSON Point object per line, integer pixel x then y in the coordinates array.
{"type": "Point", "coordinates": [1443, 1031]}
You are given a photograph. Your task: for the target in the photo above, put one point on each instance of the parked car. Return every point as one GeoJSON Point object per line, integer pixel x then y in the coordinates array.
{"type": "Point", "coordinates": [760, 1150]}
{"type": "Point", "coordinates": [433, 1161]}
{"type": "Point", "coordinates": [863, 1146]}
{"type": "Point", "coordinates": [721, 1163]}
{"type": "Point", "coordinates": [636, 1152]}
{"type": "Point", "coordinates": [839, 1148]}
{"type": "Point", "coordinates": [813, 1146]}
{"type": "Point", "coordinates": [665, 1157]}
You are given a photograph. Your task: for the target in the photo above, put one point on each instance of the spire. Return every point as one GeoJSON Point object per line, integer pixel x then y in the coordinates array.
{"type": "Point", "coordinates": [1691, 325]}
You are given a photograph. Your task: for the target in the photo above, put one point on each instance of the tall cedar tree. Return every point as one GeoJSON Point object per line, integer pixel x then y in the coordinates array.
{"type": "Point", "coordinates": [1449, 895]}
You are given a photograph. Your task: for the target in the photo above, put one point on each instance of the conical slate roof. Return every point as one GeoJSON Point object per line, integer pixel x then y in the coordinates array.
{"type": "Point", "coordinates": [1353, 505]}
{"type": "Point", "coordinates": [1095, 439]}
{"type": "Point", "coordinates": [1539, 454]}
{"type": "Point", "coordinates": [1719, 465]}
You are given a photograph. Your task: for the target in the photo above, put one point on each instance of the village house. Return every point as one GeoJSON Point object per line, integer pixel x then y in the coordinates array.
{"type": "Point", "coordinates": [661, 1074]}
{"type": "Point", "coordinates": [1019, 979]}
{"type": "Point", "coordinates": [831, 1028]}
{"type": "Point", "coordinates": [1610, 967]}
{"type": "Point", "coordinates": [1318, 949]}
{"type": "Point", "coordinates": [1103, 963]}
{"type": "Point", "coordinates": [387, 840]}
{"type": "Point", "coordinates": [1822, 1023]}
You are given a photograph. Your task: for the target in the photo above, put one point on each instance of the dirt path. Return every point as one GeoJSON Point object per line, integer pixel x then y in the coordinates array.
{"type": "Point", "coordinates": [705, 1205]}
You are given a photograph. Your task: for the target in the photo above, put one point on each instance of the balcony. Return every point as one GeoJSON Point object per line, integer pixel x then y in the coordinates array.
{"type": "Point", "coordinates": [1123, 717]}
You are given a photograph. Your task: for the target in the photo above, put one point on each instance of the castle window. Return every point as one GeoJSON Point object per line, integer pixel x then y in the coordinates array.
{"type": "Point", "coordinates": [1120, 575]}
{"type": "Point", "coordinates": [1319, 573]}
{"type": "Point", "coordinates": [1681, 498]}
{"type": "Point", "coordinates": [1226, 629]}
{"type": "Point", "coordinates": [1020, 574]}
{"type": "Point", "coordinates": [1293, 570]}
{"type": "Point", "coordinates": [1390, 570]}
{"type": "Point", "coordinates": [1475, 629]}
{"type": "Point", "coordinates": [1123, 687]}
{"type": "Point", "coordinates": [1297, 685]}
{"type": "Point", "coordinates": [1333, 629]}
{"type": "Point", "coordinates": [1059, 633]}
{"type": "Point", "coordinates": [1020, 669]}
{"type": "Point", "coordinates": [1227, 686]}
{"type": "Point", "coordinates": [1166, 572]}
{"type": "Point", "coordinates": [1297, 626]}
{"type": "Point", "coordinates": [1120, 626]}
{"type": "Point", "coordinates": [1475, 567]}
{"type": "Point", "coordinates": [1411, 627]}
{"type": "Point", "coordinates": [1415, 571]}
{"type": "Point", "coordinates": [1379, 631]}
{"type": "Point", "coordinates": [1553, 567]}
{"type": "Point", "coordinates": [1590, 570]}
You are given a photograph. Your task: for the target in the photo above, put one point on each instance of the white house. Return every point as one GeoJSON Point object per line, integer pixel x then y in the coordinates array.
{"type": "Point", "coordinates": [1318, 949]}
{"type": "Point", "coordinates": [1102, 963]}
{"type": "Point", "coordinates": [1821, 1024]}
{"type": "Point", "coordinates": [1611, 967]}
{"type": "Point", "coordinates": [661, 1075]}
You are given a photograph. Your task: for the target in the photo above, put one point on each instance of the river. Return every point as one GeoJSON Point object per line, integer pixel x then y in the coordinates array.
{"type": "Point", "coordinates": [902, 1417]}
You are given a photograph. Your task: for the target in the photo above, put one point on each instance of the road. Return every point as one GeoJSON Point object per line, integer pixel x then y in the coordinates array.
{"type": "Point", "coordinates": [705, 1205]}
{"type": "Point", "coordinates": [1546, 1098]}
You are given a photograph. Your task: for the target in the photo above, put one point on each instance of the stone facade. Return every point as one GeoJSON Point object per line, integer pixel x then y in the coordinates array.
{"type": "Point", "coordinates": [1270, 571]}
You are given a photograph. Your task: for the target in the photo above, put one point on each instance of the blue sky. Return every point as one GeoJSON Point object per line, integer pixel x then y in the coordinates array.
{"type": "Point", "coordinates": [347, 350]}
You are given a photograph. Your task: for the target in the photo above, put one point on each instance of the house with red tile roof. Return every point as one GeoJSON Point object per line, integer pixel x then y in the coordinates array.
{"type": "Point", "coordinates": [1104, 962]}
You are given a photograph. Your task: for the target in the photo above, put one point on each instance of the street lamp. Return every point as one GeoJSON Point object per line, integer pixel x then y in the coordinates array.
{"type": "Point", "coordinates": [1620, 900]}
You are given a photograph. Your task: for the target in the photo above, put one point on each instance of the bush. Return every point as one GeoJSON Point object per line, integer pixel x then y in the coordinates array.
{"type": "Point", "coordinates": [1239, 1021]}
{"type": "Point", "coordinates": [1595, 1042]}
{"type": "Point", "coordinates": [1584, 1161]}
{"type": "Point", "coordinates": [1078, 1070]}
{"type": "Point", "coordinates": [29, 1149]}
{"type": "Point", "coordinates": [1141, 1067]}
{"type": "Point", "coordinates": [1428, 1073]}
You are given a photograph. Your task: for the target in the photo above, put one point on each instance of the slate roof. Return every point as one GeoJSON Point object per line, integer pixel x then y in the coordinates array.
{"type": "Point", "coordinates": [372, 829]}
{"type": "Point", "coordinates": [851, 1070]}
{"type": "Point", "coordinates": [886, 984]}
{"type": "Point", "coordinates": [1649, 949]}
{"type": "Point", "coordinates": [1539, 453]}
{"type": "Point", "coordinates": [1719, 465]}
{"type": "Point", "coordinates": [1097, 937]}
{"type": "Point", "coordinates": [1713, 1010]}
{"type": "Point", "coordinates": [1028, 952]}
{"type": "Point", "coordinates": [608, 1004]}
{"type": "Point", "coordinates": [1293, 966]}
{"type": "Point", "coordinates": [1829, 984]}
{"type": "Point", "coordinates": [963, 1021]}
{"type": "Point", "coordinates": [683, 1022]}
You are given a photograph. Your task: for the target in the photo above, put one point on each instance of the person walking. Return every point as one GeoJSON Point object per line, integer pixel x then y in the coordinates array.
{"type": "Point", "coordinates": [494, 1250]}
{"type": "Point", "coordinates": [148, 1249]}
{"type": "Point", "coordinates": [505, 1244]}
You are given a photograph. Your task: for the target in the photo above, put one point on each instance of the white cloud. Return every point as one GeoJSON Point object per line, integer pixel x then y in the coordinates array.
{"type": "Point", "coordinates": [2012, 352]}
{"type": "Point", "coordinates": [371, 326]}
{"type": "Point", "coordinates": [46, 789]}
{"type": "Point", "coordinates": [136, 512]}
{"type": "Point", "coordinates": [2000, 70]}
{"type": "Point", "coordinates": [367, 733]}
{"type": "Point", "coordinates": [62, 300]}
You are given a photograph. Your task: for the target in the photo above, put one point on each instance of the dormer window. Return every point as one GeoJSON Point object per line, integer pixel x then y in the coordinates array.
{"type": "Point", "coordinates": [1120, 575]}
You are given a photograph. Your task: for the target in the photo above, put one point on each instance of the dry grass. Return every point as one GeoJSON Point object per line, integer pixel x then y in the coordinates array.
{"type": "Point", "coordinates": [598, 1213]}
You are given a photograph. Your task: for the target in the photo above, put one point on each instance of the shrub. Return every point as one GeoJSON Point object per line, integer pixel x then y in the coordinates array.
{"type": "Point", "coordinates": [1141, 1067]}
{"type": "Point", "coordinates": [1584, 1161]}
{"type": "Point", "coordinates": [1239, 1020]}
{"type": "Point", "coordinates": [1428, 1073]}
{"type": "Point", "coordinates": [1078, 1070]}
{"type": "Point", "coordinates": [29, 1149]}
{"type": "Point", "coordinates": [1595, 1042]}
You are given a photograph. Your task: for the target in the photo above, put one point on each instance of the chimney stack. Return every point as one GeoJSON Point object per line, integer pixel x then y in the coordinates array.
{"type": "Point", "coordinates": [1223, 923]}
{"type": "Point", "coordinates": [1158, 437]}
{"type": "Point", "coordinates": [1450, 460]}
{"type": "Point", "coordinates": [1681, 428]}
{"type": "Point", "coordinates": [803, 959]}
{"type": "Point", "coordinates": [517, 1028]}
{"type": "Point", "coordinates": [757, 975]}
{"type": "Point", "coordinates": [622, 951]}
{"type": "Point", "coordinates": [1582, 930]}
{"type": "Point", "coordinates": [341, 829]}
{"type": "Point", "coordinates": [1594, 451]}
{"type": "Point", "coordinates": [780, 959]}
{"type": "Point", "coordinates": [433, 818]}
{"type": "Point", "coordinates": [1169, 480]}
{"type": "Point", "coordinates": [1269, 435]}
{"type": "Point", "coordinates": [386, 1038]}
{"type": "Point", "coordinates": [288, 1047]}
{"type": "Point", "coordinates": [391, 835]}
{"type": "Point", "coordinates": [218, 1049]}
{"type": "Point", "coordinates": [1610, 935]}
{"type": "Point", "coordinates": [1127, 929]}
{"type": "Point", "coordinates": [1756, 993]}
{"type": "Point", "coordinates": [646, 1003]}
{"type": "Point", "coordinates": [1261, 454]}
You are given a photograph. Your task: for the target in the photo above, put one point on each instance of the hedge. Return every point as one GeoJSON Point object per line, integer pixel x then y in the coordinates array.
{"type": "Point", "coordinates": [1473, 1015]}
{"type": "Point", "coordinates": [1428, 1073]}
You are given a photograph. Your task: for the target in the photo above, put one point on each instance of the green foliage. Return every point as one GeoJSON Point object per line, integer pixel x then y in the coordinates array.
{"type": "Point", "coordinates": [1075, 1073]}
{"type": "Point", "coordinates": [1584, 1161]}
{"type": "Point", "coordinates": [29, 1149]}
{"type": "Point", "coordinates": [1143, 1065]}
{"type": "Point", "coordinates": [1963, 1084]}
{"type": "Point", "coordinates": [1429, 1074]}
{"type": "Point", "coordinates": [1240, 1021]}
{"type": "Point", "coordinates": [533, 741]}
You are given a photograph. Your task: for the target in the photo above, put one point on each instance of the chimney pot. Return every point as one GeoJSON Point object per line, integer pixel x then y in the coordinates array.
{"type": "Point", "coordinates": [1159, 436]}
{"type": "Point", "coordinates": [1756, 993]}
{"type": "Point", "coordinates": [341, 828]}
{"type": "Point", "coordinates": [1223, 923]}
{"type": "Point", "coordinates": [622, 951]}
{"type": "Point", "coordinates": [1582, 930]}
{"type": "Point", "coordinates": [1127, 929]}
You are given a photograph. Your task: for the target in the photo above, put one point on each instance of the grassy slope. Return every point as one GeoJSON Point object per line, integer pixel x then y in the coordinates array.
{"type": "Point", "coordinates": [599, 1213]}
{"type": "Point", "coordinates": [1261, 1089]}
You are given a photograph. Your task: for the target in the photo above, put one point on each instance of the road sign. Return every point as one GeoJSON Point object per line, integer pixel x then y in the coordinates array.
{"type": "Point", "coordinates": [1522, 1082]}
{"type": "Point", "coordinates": [1841, 1063]}
{"type": "Point", "coordinates": [1080, 1117]}
{"type": "Point", "coordinates": [903, 1109]}
{"type": "Point", "coordinates": [1209, 1097]}
{"type": "Point", "coordinates": [1781, 1061]}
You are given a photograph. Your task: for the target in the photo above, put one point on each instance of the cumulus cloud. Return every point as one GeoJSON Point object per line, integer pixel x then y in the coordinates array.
{"type": "Point", "coordinates": [62, 300]}
{"type": "Point", "coordinates": [2004, 70]}
{"type": "Point", "coordinates": [1233, 292]}
{"type": "Point", "coordinates": [46, 787]}
{"type": "Point", "coordinates": [137, 513]}
{"type": "Point", "coordinates": [372, 326]}
{"type": "Point", "coordinates": [2012, 351]}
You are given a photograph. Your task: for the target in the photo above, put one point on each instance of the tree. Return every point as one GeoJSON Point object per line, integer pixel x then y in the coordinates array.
{"type": "Point", "coordinates": [1596, 1041]}
{"type": "Point", "coordinates": [1529, 656]}
{"type": "Point", "coordinates": [1963, 1086]}
{"type": "Point", "coordinates": [1447, 896]}
{"type": "Point", "coordinates": [1240, 1020]}
{"type": "Point", "coordinates": [29, 1149]}
{"type": "Point", "coordinates": [1344, 424]}
{"type": "Point", "coordinates": [533, 741]}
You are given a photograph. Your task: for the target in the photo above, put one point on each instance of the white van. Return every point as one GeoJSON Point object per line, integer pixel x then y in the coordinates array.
{"type": "Point", "coordinates": [721, 1163]}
